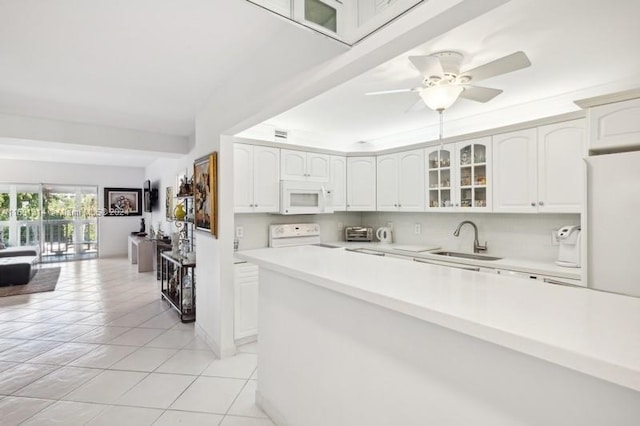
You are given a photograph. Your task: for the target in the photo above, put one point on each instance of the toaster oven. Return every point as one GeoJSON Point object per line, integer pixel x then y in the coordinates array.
{"type": "Point", "coordinates": [358, 233]}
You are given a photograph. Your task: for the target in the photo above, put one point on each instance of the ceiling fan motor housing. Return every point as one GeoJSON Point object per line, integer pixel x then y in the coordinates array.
{"type": "Point", "coordinates": [450, 62]}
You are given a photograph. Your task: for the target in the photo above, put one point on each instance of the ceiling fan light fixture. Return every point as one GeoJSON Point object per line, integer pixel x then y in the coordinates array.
{"type": "Point", "coordinates": [439, 98]}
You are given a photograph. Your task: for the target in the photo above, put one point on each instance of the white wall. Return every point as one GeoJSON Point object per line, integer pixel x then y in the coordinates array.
{"type": "Point", "coordinates": [256, 226]}
{"type": "Point", "coordinates": [523, 236]}
{"type": "Point", "coordinates": [113, 231]}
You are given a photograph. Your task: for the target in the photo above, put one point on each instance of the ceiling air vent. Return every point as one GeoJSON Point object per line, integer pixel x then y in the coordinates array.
{"type": "Point", "coordinates": [281, 135]}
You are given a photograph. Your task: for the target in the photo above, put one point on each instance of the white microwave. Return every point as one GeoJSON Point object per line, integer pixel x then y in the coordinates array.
{"type": "Point", "coordinates": [305, 197]}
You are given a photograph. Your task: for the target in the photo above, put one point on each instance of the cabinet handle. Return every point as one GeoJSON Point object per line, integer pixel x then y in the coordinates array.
{"type": "Point", "coordinates": [395, 205]}
{"type": "Point", "coordinates": [250, 205]}
{"type": "Point", "coordinates": [541, 203]}
{"type": "Point", "coordinates": [399, 205]}
{"type": "Point", "coordinates": [533, 204]}
{"type": "Point", "coordinates": [255, 205]}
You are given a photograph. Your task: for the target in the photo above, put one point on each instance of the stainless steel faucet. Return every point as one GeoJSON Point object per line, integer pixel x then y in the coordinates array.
{"type": "Point", "coordinates": [477, 248]}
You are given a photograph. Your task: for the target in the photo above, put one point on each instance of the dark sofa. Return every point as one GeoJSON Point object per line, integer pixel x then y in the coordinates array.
{"type": "Point", "coordinates": [18, 264]}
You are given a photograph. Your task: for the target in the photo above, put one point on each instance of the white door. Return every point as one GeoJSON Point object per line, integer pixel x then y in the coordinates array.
{"type": "Point", "coordinates": [561, 169]}
{"type": "Point", "coordinates": [411, 180]}
{"type": "Point", "coordinates": [339, 182]}
{"type": "Point", "coordinates": [246, 301]}
{"type": "Point", "coordinates": [361, 183]}
{"type": "Point", "coordinates": [387, 182]}
{"type": "Point", "coordinates": [318, 166]}
{"type": "Point", "coordinates": [243, 178]}
{"type": "Point", "coordinates": [266, 179]}
{"type": "Point", "coordinates": [293, 165]}
{"type": "Point", "coordinates": [515, 172]}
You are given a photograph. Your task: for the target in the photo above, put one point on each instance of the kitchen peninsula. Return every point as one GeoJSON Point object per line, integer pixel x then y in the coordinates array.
{"type": "Point", "coordinates": [350, 339]}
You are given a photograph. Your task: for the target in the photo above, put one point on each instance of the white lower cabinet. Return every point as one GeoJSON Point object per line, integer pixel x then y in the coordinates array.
{"type": "Point", "coordinates": [245, 317]}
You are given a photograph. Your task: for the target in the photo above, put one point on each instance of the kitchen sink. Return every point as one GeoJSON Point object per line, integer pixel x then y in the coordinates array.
{"type": "Point", "coordinates": [465, 255]}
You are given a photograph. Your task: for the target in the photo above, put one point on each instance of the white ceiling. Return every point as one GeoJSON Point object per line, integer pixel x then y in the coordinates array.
{"type": "Point", "coordinates": [140, 64]}
{"type": "Point", "coordinates": [578, 48]}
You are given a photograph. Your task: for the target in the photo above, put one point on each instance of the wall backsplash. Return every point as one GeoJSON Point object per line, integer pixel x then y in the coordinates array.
{"type": "Point", "coordinates": [256, 226]}
{"type": "Point", "coordinates": [523, 236]}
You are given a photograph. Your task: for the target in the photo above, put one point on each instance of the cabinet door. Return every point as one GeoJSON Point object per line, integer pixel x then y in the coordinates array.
{"type": "Point", "coordinates": [318, 166]}
{"type": "Point", "coordinates": [441, 178]}
{"type": "Point", "coordinates": [246, 301]}
{"type": "Point", "coordinates": [411, 180]}
{"type": "Point", "coordinates": [339, 182]}
{"type": "Point", "coordinates": [361, 183]}
{"type": "Point", "coordinates": [387, 182]}
{"type": "Point", "coordinates": [293, 165]}
{"type": "Point", "coordinates": [243, 178]}
{"type": "Point", "coordinates": [474, 175]}
{"type": "Point", "coordinates": [615, 126]}
{"type": "Point", "coordinates": [515, 172]}
{"type": "Point", "coordinates": [561, 171]}
{"type": "Point", "coordinates": [266, 179]}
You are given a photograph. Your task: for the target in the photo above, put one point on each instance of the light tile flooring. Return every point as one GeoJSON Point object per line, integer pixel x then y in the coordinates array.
{"type": "Point", "coordinates": [103, 349]}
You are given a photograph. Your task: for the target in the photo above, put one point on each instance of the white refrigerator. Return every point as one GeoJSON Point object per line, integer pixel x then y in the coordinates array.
{"type": "Point", "coordinates": [613, 222]}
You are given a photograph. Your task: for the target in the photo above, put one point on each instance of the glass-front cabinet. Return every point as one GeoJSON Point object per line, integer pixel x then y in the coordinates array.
{"type": "Point", "coordinates": [459, 176]}
{"type": "Point", "coordinates": [440, 178]}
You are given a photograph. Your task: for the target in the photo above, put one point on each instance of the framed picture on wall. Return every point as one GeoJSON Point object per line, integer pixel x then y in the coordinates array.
{"type": "Point", "coordinates": [168, 203]}
{"type": "Point", "coordinates": [205, 193]}
{"type": "Point", "coordinates": [122, 202]}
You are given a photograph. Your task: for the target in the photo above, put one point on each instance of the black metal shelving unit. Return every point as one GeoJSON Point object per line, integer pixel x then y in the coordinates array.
{"type": "Point", "coordinates": [178, 285]}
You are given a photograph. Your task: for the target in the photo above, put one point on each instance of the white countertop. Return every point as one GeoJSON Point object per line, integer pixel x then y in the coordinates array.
{"type": "Point", "coordinates": [592, 332]}
{"type": "Point", "coordinates": [533, 267]}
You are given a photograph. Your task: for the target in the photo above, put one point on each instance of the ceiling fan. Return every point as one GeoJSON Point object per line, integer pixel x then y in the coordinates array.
{"type": "Point", "coordinates": [443, 82]}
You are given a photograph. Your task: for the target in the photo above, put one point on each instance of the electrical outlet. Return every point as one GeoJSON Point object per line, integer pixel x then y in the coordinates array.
{"type": "Point", "coordinates": [239, 232]}
{"type": "Point", "coordinates": [390, 225]}
{"type": "Point", "coordinates": [554, 238]}
{"type": "Point", "coordinates": [340, 226]}
{"type": "Point", "coordinates": [417, 229]}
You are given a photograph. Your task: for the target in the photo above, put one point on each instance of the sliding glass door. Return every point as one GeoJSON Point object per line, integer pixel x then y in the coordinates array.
{"type": "Point", "coordinates": [61, 219]}
{"type": "Point", "coordinates": [70, 223]}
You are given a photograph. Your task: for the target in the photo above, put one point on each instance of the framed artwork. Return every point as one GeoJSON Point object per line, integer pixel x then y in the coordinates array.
{"type": "Point", "coordinates": [205, 193]}
{"type": "Point", "coordinates": [122, 202]}
{"type": "Point", "coordinates": [168, 203]}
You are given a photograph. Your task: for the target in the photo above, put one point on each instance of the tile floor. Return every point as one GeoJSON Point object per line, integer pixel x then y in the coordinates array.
{"type": "Point", "coordinates": [103, 349]}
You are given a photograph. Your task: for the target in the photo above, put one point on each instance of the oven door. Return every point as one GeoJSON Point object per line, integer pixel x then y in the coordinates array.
{"type": "Point", "coordinates": [305, 198]}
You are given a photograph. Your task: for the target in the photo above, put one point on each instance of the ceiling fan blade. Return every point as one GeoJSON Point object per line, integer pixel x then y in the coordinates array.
{"type": "Point", "coordinates": [428, 65]}
{"type": "Point", "coordinates": [386, 92]}
{"type": "Point", "coordinates": [504, 65]}
{"type": "Point", "coordinates": [418, 106]}
{"type": "Point", "coordinates": [479, 94]}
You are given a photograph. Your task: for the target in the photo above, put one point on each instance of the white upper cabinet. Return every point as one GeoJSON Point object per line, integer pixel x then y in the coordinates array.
{"type": "Point", "coordinates": [615, 126]}
{"type": "Point", "coordinates": [361, 183]}
{"type": "Point", "coordinates": [540, 170]}
{"type": "Point", "coordinates": [474, 178]}
{"type": "Point", "coordinates": [304, 166]}
{"type": "Point", "coordinates": [515, 186]}
{"type": "Point", "coordinates": [400, 181]}
{"type": "Point", "coordinates": [561, 169]}
{"type": "Point", "coordinates": [256, 179]}
{"type": "Point", "coordinates": [339, 182]}
{"type": "Point", "coordinates": [441, 177]}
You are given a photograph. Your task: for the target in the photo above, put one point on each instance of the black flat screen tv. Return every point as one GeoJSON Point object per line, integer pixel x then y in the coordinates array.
{"type": "Point", "coordinates": [150, 196]}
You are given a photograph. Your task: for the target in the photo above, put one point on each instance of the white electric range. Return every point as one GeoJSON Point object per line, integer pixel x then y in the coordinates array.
{"type": "Point", "coordinates": [296, 234]}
